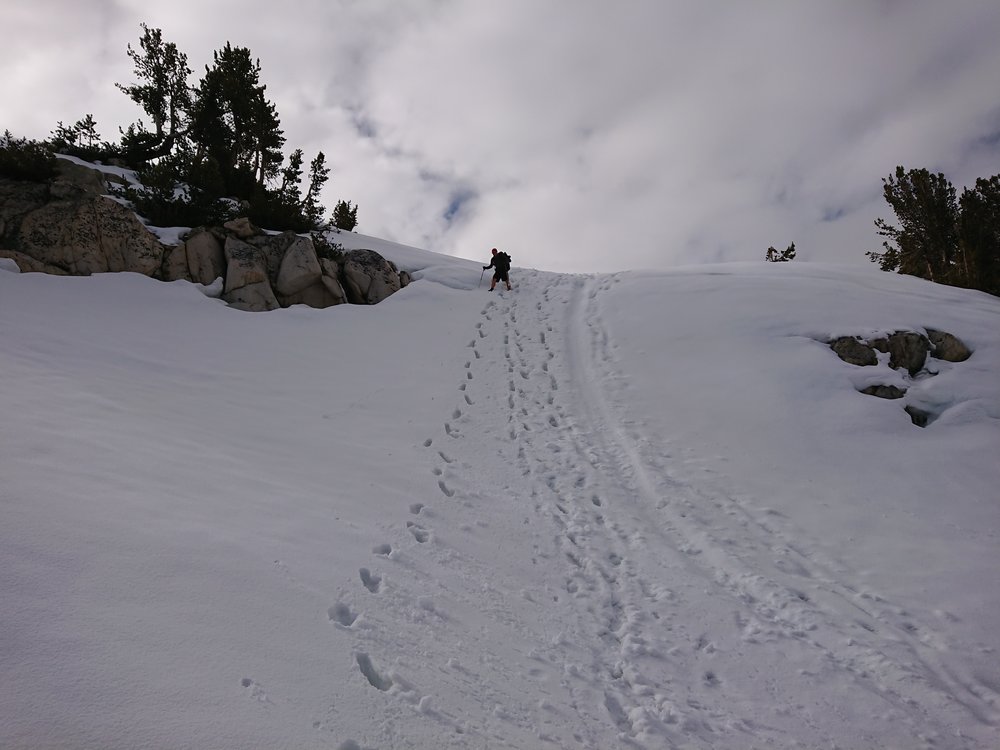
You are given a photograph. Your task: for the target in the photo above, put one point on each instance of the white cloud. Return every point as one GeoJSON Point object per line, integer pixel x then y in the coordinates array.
{"type": "Point", "coordinates": [704, 132]}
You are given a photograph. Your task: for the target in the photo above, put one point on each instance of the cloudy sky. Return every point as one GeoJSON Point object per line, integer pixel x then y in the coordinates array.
{"type": "Point", "coordinates": [698, 131]}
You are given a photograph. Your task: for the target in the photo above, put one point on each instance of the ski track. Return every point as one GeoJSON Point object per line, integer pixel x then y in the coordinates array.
{"type": "Point", "coordinates": [649, 611]}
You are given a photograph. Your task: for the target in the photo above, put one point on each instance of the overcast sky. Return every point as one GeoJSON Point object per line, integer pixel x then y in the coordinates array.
{"type": "Point", "coordinates": [707, 131]}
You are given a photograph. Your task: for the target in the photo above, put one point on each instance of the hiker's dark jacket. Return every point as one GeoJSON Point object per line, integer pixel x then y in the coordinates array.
{"type": "Point", "coordinates": [501, 262]}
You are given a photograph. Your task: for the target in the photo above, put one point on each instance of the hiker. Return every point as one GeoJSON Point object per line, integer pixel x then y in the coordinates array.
{"type": "Point", "coordinates": [501, 265]}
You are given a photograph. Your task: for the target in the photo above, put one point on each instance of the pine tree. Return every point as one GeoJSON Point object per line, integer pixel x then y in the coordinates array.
{"type": "Point", "coordinates": [81, 139]}
{"type": "Point", "coordinates": [319, 173]}
{"type": "Point", "coordinates": [24, 159]}
{"type": "Point", "coordinates": [218, 141]}
{"type": "Point", "coordinates": [63, 138]}
{"type": "Point", "coordinates": [979, 228]}
{"type": "Point", "coordinates": [86, 129]}
{"type": "Point", "coordinates": [345, 216]}
{"type": "Point", "coordinates": [926, 242]}
{"type": "Point", "coordinates": [786, 255]}
{"type": "Point", "coordinates": [940, 238]}
{"type": "Point", "coordinates": [291, 178]}
{"type": "Point", "coordinates": [234, 125]}
{"type": "Point", "coordinates": [163, 93]}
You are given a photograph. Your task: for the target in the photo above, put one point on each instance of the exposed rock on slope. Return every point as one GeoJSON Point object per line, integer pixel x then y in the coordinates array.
{"type": "Point", "coordinates": [907, 353]}
{"type": "Point", "coordinates": [70, 226]}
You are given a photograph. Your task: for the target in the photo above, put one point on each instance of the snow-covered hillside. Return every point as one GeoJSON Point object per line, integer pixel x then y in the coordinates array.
{"type": "Point", "coordinates": [631, 511]}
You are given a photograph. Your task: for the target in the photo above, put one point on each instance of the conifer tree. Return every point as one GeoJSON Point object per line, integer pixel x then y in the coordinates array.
{"type": "Point", "coordinates": [217, 141]}
{"type": "Point", "coordinates": [786, 255]}
{"type": "Point", "coordinates": [86, 130]}
{"type": "Point", "coordinates": [63, 138]}
{"type": "Point", "coordinates": [926, 242]}
{"type": "Point", "coordinates": [291, 178]}
{"type": "Point", "coordinates": [319, 173]}
{"type": "Point", "coordinates": [940, 238]}
{"type": "Point", "coordinates": [979, 228]}
{"type": "Point", "coordinates": [162, 92]}
{"type": "Point", "coordinates": [345, 216]}
{"type": "Point", "coordinates": [234, 125]}
{"type": "Point", "coordinates": [24, 159]}
{"type": "Point", "coordinates": [81, 139]}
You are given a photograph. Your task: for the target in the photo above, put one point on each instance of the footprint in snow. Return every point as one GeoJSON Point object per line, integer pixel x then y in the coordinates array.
{"type": "Point", "coordinates": [342, 615]}
{"type": "Point", "coordinates": [254, 689]}
{"type": "Point", "coordinates": [371, 581]}
{"type": "Point", "coordinates": [419, 532]}
{"type": "Point", "coordinates": [375, 679]}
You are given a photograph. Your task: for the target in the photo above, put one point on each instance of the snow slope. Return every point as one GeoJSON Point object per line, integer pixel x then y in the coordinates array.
{"type": "Point", "coordinates": [641, 510]}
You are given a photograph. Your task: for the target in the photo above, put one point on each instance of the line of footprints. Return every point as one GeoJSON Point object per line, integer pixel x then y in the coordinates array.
{"type": "Point", "coordinates": [342, 614]}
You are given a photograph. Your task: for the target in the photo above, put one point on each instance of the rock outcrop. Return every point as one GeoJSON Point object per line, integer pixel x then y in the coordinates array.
{"type": "Point", "coordinates": [368, 277]}
{"type": "Point", "coordinates": [908, 352]}
{"type": "Point", "coordinates": [267, 271]}
{"type": "Point", "coordinates": [947, 347]}
{"type": "Point", "coordinates": [70, 226]}
{"type": "Point", "coordinates": [199, 258]}
{"type": "Point", "coordinates": [247, 285]}
{"type": "Point", "coordinates": [299, 269]}
{"type": "Point", "coordinates": [853, 351]}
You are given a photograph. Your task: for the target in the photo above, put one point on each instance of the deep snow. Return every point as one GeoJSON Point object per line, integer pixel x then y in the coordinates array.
{"type": "Point", "coordinates": [642, 510]}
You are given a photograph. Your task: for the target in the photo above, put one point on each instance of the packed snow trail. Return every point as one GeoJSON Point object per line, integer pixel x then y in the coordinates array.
{"type": "Point", "coordinates": [646, 610]}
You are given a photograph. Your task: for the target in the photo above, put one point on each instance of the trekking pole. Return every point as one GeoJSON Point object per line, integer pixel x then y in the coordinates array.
{"type": "Point", "coordinates": [479, 286]}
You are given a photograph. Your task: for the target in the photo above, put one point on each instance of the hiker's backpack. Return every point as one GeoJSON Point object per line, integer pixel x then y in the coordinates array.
{"type": "Point", "coordinates": [502, 261]}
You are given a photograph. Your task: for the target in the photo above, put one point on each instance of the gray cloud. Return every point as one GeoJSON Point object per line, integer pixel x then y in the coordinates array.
{"type": "Point", "coordinates": [580, 136]}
